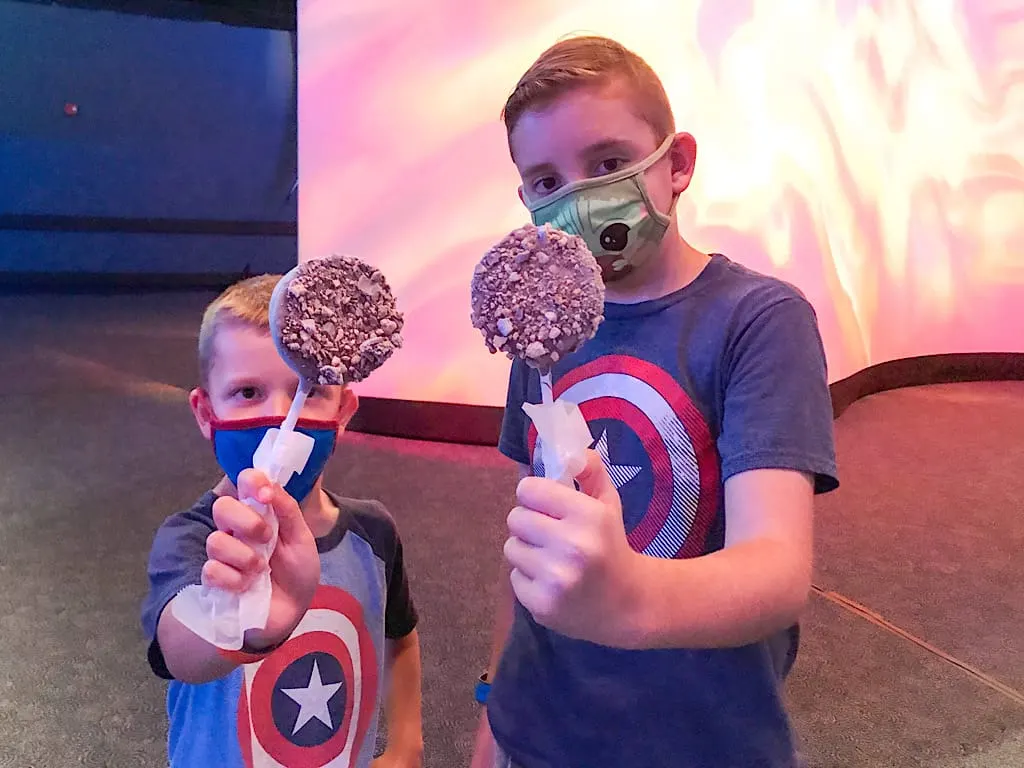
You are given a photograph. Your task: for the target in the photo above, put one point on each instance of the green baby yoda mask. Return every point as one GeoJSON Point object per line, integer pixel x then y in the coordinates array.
{"type": "Point", "coordinates": [613, 214]}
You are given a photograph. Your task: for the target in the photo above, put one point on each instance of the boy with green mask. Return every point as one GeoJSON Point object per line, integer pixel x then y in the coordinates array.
{"type": "Point", "coordinates": [650, 617]}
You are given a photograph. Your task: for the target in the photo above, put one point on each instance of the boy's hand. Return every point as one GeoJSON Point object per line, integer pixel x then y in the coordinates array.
{"type": "Point", "coordinates": [572, 566]}
{"type": "Point", "coordinates": [234, 564]}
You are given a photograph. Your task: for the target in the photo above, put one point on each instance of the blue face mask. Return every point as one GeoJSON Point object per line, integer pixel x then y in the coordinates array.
{"type": "Point", "coordinates": [235, 443]}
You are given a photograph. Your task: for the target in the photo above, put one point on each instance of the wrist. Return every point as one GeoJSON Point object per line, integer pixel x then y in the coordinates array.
{"type": "Point", "coordinates": [637, 615]}
{"type": "Point", "coordinates": [407, 746]}
{"type": "Point", "coordinates": [274, 635]}
{"type": "Point", "coordinates": [259, 642]}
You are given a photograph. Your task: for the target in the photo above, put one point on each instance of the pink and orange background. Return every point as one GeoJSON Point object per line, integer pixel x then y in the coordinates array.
{"type": "Point", "coordinates": [869, 151]}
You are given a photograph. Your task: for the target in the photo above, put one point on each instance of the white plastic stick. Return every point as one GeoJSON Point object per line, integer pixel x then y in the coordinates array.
{"type": "Point", "coordinates": [288, 426]}
{"type": "Point", "coordinates": [546, 395]}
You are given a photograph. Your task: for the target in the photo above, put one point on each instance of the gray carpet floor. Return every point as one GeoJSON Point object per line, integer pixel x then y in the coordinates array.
{"type": "Point", "coordinates": [913, 645]}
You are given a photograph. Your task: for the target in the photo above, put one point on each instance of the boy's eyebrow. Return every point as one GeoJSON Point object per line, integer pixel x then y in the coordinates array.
{"type": "Point", "coordinates": [620, 145]}
{"type": "Point", "coordinates": [538, 169]}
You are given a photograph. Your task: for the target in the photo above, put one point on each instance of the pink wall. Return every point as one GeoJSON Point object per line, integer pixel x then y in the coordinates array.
{"type": "Point", "coordinates": [871, 152]}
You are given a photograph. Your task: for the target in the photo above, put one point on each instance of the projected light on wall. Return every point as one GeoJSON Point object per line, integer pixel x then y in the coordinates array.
{"type": "Point", "coordinates": [870, 152]}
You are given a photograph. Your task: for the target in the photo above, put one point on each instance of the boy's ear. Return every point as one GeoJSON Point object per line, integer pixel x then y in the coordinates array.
{"type": "Point", "coordinates": [683, 153]}
{"type": "Point", "coordinates": [522, 196]}
{"type": "Point", "coordinates": [346, 409]}
{"type": "Point", "coordinates": [202, 410]}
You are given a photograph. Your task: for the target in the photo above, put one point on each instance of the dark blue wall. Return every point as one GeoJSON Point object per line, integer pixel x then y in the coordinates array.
{"type": "Point", "coordinates": [177, 120]}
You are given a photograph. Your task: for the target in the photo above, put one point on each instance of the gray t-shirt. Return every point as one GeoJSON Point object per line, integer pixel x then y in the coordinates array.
{"type": "Point", "coordinates": [313, 701]}
{"type": "Point", "coordinates": [723, 376]}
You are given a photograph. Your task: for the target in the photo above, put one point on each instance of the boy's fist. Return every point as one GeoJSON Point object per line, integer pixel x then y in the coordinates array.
{"type": "Point", "coordinates": [572, 566]}
{"type": "Point", "coordinates": [235, 560]}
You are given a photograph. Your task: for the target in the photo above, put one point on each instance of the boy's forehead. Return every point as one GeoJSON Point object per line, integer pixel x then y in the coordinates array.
{"type": "Point", "coordinates": [232, 335]}
{"type": "Point", "coordinates": [238, 346]}
{"type": "Point", "coordinates": [241, 350]}
{"type": "Point", "coordinates": [583, 120]}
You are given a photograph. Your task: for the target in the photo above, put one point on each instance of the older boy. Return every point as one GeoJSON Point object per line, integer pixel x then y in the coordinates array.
{"type": "Point", "coordinates": [655, 611]}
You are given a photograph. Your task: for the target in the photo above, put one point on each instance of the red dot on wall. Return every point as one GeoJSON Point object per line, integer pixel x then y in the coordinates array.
{"type": "Point", "coordinates": [70, 109]}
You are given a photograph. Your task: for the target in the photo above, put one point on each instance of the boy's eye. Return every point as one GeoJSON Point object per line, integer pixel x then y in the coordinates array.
{"type": "Point", "coordinates": [248, 393]}
{"type": "Point", "coordinates": [546, 185]}
{"type": "Point", "coordinates": [611, 165]}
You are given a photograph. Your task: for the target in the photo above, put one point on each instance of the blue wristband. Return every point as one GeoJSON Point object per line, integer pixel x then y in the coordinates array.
{"type": "Point", "coordinates": [482, 689]}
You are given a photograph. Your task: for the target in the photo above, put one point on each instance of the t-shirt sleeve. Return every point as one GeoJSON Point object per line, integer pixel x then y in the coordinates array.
{"type": "Point", "coordinates": [399, 613]}
{"type": "Point", "coordinates": [175, 561]}
{"type": "Point", "coordinates": [777, 411]}
{"type": "Point", "coordinates": [512, 442]}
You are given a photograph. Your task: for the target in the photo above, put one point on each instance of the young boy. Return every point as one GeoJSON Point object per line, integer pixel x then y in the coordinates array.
{"type": "Point", "coordinates": [656, 608]}
{"type": "Point", "coordinates": [305, 691]}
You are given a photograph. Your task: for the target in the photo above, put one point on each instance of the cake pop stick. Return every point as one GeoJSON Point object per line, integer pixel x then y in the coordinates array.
{"type": "Point", "coordinates": [538, 295]}
{"type": "Point", "coordinates": [546, 389]}
{"type": "Point", "coordinates": [334, 321]}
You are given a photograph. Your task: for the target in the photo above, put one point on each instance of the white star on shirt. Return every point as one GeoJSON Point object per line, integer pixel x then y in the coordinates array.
{"type": "Point", "coordinates": [312, 700]}
{"type": "Point", "coordinates": [620, 473]}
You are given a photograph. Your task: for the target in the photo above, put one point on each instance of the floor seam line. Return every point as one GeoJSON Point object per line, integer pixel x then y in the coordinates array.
{"type": "Point", "coordinates": [877, 619]}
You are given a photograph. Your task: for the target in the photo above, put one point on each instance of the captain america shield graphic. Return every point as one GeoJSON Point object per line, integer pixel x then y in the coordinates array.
{"type": "Point", "coordinates": [311, 702]}
{"type": "Point", "coordinates": [657, 447]}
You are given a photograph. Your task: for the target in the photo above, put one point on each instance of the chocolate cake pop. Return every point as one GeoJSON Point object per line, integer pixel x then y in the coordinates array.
{"type": "Point", "coordinates": [335, 320]}
{"type": "Point", "coordinates": [537, 295]}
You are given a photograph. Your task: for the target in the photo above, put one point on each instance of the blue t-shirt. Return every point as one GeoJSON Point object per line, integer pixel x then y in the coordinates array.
{"type": "Point", "coordinates": [313, 701]}
{"type": "Point", "coordinates": [722, 376]}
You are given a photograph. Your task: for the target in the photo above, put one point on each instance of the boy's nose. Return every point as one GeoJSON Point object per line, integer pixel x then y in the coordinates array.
{"type": "Point", "coordinates": [279, 403]}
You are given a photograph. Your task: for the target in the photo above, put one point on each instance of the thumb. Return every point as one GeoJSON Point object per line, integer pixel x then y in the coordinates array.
{"type": "Point", "coordinates": [595, 482]}
{"type": "Point", "coordinates": [291, 523]}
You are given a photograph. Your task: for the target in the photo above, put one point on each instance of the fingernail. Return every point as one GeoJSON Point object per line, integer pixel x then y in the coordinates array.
{"type": "Point", "coordinates": [266, 495]}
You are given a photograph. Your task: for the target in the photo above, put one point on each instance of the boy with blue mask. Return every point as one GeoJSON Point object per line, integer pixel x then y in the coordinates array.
{"type": "Point", "coordinates": [650, 614]}
{"type": "Point", "coordinates": [305, 690]}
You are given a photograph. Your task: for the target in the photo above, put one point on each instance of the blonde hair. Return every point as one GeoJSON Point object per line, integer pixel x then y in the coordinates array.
{"type": "Point", "coordinates": [590, 60]}
{"type": "Point", "coordinates": [247, 303]}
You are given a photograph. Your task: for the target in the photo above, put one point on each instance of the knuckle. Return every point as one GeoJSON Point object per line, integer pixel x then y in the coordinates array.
{"type": "Point", "coordinates": [578, 550]}
{"type": "Point", "coordinates": [209, 573]}
{"type": "Point", "coordinates": [572, 577]}
{"type": "Point", "coordinates": [517, 520]}
{"type": "Point", "coordinates": [560, 579]}
{"type": "Point", "coordinates": [221, 507]}
{"type": "Point", "coordinates": [213, 543]}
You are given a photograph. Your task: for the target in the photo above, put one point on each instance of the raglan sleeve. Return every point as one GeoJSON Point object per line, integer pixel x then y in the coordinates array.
{"type": "Point", "coordinates": [400, 617]}
{"type": "Point", "coordinates": [777, 410]}
{"type": "Point", "coordinates": [175, 561]}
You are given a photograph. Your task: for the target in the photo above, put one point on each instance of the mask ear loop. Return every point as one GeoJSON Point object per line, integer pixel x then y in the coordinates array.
{"type": "Point", "coordinates": [664, 219]}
